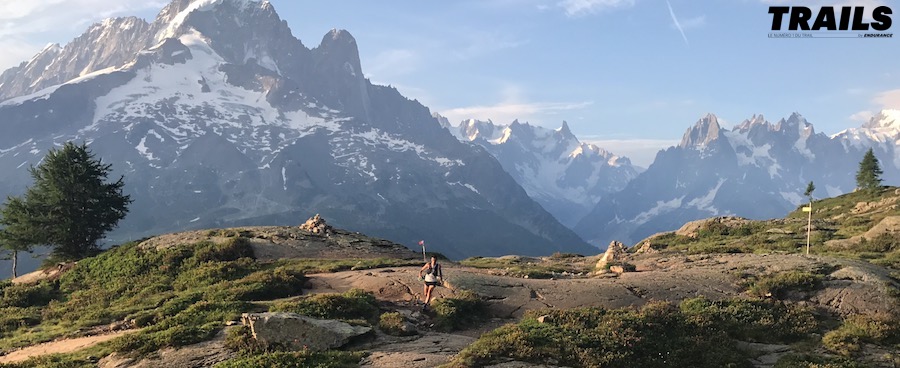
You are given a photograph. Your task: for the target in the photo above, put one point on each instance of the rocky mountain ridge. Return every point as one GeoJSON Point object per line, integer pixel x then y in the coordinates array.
{"type": "Point", "coordinates": [757, 170]}
{"type": "Point", "coordinates": [217, 115]}
{"type": "Point", "coordinates": [566, 176]}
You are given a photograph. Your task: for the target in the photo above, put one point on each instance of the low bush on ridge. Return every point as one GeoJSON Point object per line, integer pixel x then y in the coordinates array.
{"type": "Point", "coordinates": [657, 335]}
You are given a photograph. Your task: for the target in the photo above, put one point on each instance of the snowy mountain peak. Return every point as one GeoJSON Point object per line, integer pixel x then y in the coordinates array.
{"type": "Point", "coordinates": [754, 121]}
{"type": "Point", "coordinates": [886, 119]}
{"type": "Point", "coordinates": [564, 130]}
{"type": "Point", "coordinates": [704, 132]}
{"type": "Point", "coordinates": [339, 47]}
{"type": "Point", "coordinates": [442, 120]}
{"type": "Point", "coordinates": [563, 174]}
{"type": "Point", "coordinates": [796, 127]}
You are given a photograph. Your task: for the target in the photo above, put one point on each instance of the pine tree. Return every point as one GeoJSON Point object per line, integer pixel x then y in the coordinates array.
{"type": "Point", "coordinates": [71, 203]}
{"type": "Point", "coordinates": [869, 174]}
{"type": "Point", "coordinates": [810, 188]}
{"type": "Point", "coordinates": [18, 234]}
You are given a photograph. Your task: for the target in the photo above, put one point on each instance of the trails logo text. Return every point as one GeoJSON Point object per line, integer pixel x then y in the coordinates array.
{"type": "Point", "coordinates": [829, 18]}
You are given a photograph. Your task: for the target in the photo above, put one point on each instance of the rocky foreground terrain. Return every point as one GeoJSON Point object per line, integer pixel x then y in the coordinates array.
{"type": "Point", "coordinates": [248, 296]}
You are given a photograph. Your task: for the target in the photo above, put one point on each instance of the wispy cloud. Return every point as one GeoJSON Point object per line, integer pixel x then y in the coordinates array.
{"type": "Point", "coordinates": [862, 116]}
{"type": "Point", "coordinates": [695, 22]}
{"type": "Point", "coordinates": [883, 100]}
{"type": "Point", "coordinates": [479, 43]}
{"type": "Point", "coordinates": [888, 99]}
{"type": "Point", "coordinates": [508, 111]}
{"type": "Point", "coordinates": [393, 63]}
{"type": "Point", "coordinates": [677, 24]}
{"type": "Point", "coordinates": [575, 8]}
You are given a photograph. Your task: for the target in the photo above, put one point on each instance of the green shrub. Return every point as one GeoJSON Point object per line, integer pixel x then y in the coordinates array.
{"type": "Point", "coordinates": [655, 336]}
{"type": "Point", "coordinates": [262, 285]}
{"type": "Point", "coordinates": [13, 318]}
{"type": "Point", "coordinates": [521, 267]}
{"type": "Point", "coordinates": [53, 361]}
{"type": "Point", "coordinates": [210, 273]}
{"type": "Point", "coordinates": [302, 359]}
{"type": "Point", "coordinates": [628, 267]}
{"type": "Point", "coordinates": [240, 339]}
{"type": "Point", "coordinates": [563, 256]}
{"type": "Point", "coordinates": [779, 284]}
{"type": "Point", "coordinates": [454, 313]}
{"type": "Point", "coordinates": [29, 295]}
{"type": "Point", "coordinates": [354, 304]}
{"type": "Point", "coordinates": [392, 324]}
{"type": "Point", "coordinates": [856, 330]}
{"type": "Point", "coordinates": [755, 320]}
{"type": "Point", "coordinates": [197, 323]}
{"type": "Point", "coordinates": [815, 361]}
{"type": "Point", "coordinates": [880, 244]}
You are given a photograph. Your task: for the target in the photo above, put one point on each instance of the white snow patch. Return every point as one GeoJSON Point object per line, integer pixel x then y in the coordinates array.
{"type": "Point", "coordinates": [284, 177]}
{"type": "Point", "coordinates": [446, 162]}
{"type": "Point", "coordinates": [196, 219]}
{"type": "Point", "coordinates": [792, 197]}
{"type": "Point", "coordinates": [705, 203]}
{"type": "Point", "coordinates": [833, 191]}
{"type": "Point", "coordinates": [660, 208]}
{"type": "Point", "coordinates": [197, 5]}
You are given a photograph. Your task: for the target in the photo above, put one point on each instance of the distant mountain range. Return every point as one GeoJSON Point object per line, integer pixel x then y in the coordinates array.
{"type": "Point", "coordinates": [217, 116]}
{"type": "Point", "coordinates": [567, 177]}
{"type": "Point", "coordinates": [757, 170]}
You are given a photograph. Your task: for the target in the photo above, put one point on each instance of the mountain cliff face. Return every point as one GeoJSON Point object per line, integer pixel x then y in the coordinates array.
{"type": "Point", "coordinates": [757, 170]}
{"type": "Point", "coordinates": [218, 116]}
{"type": "Point", "coordinates": [567, 177]}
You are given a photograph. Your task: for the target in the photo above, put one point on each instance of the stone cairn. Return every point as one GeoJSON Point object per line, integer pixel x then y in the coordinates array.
{"type": "Point", "coordinates": [316, 225]}
{"type": "Point", "coordinates": [615, 254]}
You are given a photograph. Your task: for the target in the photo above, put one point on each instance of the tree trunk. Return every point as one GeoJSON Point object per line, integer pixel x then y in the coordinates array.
{"type": "Point", "coordinates": [15, 259]}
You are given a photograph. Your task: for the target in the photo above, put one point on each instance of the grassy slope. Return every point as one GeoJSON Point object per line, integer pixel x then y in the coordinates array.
{"type": "Point", "coordinates": [836, 218]}
{"type": "Point", "coordinates": [184, 294]}
{"type": "Point", "coordinates": [178, 296]}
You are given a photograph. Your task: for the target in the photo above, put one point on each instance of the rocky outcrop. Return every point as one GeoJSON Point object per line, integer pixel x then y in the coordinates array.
{"type": "Point", "coordinates": [298, 332]}
{"type": "Point", "coordinates": [316, 225]}
{"type": "Point", "coordinates": [276, 242]}
{"type": "Point", "coordinates": [692, 229]}
{"type": "Point", "coordinates": [888, 226]}
{"type": "Point", "coordinates": [646, 248]}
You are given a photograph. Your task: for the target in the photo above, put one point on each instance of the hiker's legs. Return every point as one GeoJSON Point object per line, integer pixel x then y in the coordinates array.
{"type": "Point", "coordinates": [428, 290]}
{"type": "Point", "coordinates": [425, 293]}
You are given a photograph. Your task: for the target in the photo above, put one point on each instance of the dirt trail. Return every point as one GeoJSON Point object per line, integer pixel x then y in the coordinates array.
{"type": "Point", "coordinates": [59, 347]}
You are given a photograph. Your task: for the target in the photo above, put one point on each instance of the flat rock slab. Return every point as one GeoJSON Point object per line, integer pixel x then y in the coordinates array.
{"type": "Point", "coordinates": [430, 350]}
{"type": "Point", "coordinates": [300, 332]}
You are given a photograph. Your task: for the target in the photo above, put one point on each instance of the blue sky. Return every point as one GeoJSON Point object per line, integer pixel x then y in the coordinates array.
{"type": "Point", "coordinates": [619, 71]}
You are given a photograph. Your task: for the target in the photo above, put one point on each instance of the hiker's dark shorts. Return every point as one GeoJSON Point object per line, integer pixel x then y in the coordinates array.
{"type": "Point", "coordinates": [436, 283]}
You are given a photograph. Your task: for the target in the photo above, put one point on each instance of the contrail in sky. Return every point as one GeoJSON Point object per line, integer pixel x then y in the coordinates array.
{"type": "Point", "coordinates": [677, 25]}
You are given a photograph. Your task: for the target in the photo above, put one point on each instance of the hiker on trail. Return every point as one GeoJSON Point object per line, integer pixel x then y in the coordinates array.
{"type": "Point", "coordinates": [432, 276]}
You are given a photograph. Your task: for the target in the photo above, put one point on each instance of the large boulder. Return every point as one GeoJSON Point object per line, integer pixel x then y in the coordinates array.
{"type": "Point", "coordinates": [299, 332]}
